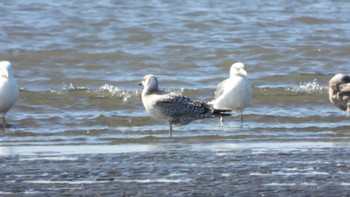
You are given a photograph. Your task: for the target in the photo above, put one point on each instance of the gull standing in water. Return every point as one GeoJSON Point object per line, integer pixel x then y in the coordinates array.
{"type": "Point", "coordinates": [339, 92]}
{"type": "Point", "coordinates": [173, 108]}
{"type": "Point", "coordinates": [234, 93]}
{"type": "Point", "coordinates": [8, 89]}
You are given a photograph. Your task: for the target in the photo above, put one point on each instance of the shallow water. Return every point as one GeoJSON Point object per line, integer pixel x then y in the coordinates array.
{"type": "Point", "coordinates": [80, 127]}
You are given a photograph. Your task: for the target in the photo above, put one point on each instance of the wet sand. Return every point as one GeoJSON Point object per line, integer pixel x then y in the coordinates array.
{"type": "Point", "coordinates": [297, 168]}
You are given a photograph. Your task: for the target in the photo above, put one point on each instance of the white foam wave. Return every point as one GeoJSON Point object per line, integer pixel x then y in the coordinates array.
{"type": "Point", "coordinates": [116, 92]}
{"type": "Point", "coordinates": [72, 87]}
{"type": "Point", "coordinates": [309, 87]}
{"type": "Point", "coordinates": [109, 88]}
{"type": "Point", "coordinates": [105, 90]}
{"type": "Point", "coordinates": [68, 87]}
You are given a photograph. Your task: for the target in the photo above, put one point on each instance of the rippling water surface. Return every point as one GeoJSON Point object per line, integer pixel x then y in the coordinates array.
{"type": "Point", "coordinates": [79, 127]}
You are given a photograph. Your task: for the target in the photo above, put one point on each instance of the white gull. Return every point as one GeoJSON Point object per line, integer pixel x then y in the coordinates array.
{"type": "Point", "coordinates": [234, 93]}
{"type": "Point", "coordinates": [9, 92]}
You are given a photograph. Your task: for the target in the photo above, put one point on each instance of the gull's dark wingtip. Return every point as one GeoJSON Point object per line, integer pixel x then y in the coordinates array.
{"type": "Point", "coordinates": [222, 112]}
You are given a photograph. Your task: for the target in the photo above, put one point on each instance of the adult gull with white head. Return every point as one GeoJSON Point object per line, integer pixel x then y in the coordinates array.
{"type": "Point", "coordinates": [234, 93]}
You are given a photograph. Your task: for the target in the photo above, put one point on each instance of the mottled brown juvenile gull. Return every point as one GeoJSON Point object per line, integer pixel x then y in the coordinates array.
{"type": "Point", "coordinates": [339, 92]}
{"type": "Point", "coordinates": [173, 108]}
{"type": "Point", "coordinates": [234, 93]}
{"type": "Point", "coordinates": [8, 89]}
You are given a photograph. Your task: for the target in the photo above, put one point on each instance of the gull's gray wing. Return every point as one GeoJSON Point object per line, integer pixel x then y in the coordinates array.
{"type": "Point", "coordinates": [220, 89]}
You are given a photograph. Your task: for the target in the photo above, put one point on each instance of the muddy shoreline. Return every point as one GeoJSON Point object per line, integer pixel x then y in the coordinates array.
{"type": "Point", "coordinates": [311, 171]}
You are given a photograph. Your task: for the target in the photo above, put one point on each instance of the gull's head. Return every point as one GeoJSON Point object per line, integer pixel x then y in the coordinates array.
{"type": "Point", "coordinates": [5, 69]}
{"type": "Point", "coordinates": [337, 80]}
{"type": "Point", "coordinates": [238, 69]}
{"type": "Point", "coordinates": [149, 83]}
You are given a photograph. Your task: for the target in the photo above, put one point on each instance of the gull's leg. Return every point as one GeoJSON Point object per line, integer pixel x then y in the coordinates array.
{"type": "Point", "coordinates": [241, 114]}
{"type": "Point", "coordinates": [222, 121]}
{"type": "Point", "coordinates": [170, 130]}
{"type": "Point", "coordinates": [3, 121]}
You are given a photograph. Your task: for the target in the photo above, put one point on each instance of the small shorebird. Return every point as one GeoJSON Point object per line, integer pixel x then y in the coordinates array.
{"type": "Point", "coordinates": [339, 92]}
{"type": "Point", "coordinates": [234, 93]}
{"type": "Point", "coordinates": [174, 108]}
{"type": "Point", "coordinates": [9, 92]}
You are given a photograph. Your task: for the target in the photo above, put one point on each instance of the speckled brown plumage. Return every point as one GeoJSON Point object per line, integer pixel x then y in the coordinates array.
{"type": "Point", "coordinates": [339, 92]}
{"type": "Point", "coordinates": [174, 108]}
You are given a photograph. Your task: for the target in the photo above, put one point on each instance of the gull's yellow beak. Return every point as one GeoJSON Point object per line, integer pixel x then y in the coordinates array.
{"type": "Point", "coordinates": [5, 74]}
